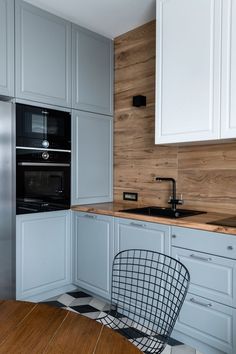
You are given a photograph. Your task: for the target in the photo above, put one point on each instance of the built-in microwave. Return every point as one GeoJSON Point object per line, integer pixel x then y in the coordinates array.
{"type": "Point", "coordinates": [42, 128]}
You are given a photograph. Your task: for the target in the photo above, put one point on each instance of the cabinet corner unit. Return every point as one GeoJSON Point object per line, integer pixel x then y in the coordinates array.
{"type": "Point", "coordinates": [7, 48]}
{"type": "Point", "coordinates": [43, 56]}
{"type": "Point", "coordinates": [196, 75]}
{"type": "Point", "coordinates": [43, 253]}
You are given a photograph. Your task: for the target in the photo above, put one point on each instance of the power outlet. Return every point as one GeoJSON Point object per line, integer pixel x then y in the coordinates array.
{"type": "Point", "coordinates": [130, 196]}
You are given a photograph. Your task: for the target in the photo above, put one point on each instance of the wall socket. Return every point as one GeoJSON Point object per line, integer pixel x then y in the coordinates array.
{"type": "Point", "coordinates": [130, 196]}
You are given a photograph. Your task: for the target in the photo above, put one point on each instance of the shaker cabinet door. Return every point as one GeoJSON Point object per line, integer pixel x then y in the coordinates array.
{"type": "Point", "coordinates": [92, 71]}
{"type": "Point", "coordinates": [91, 158]}
{"type": "Point", "coordinates": [94, 252]}
{"type": "Point", "coordinates": [188, 75]}
{"type": "Point", "coordinates": [43, 56]}
{"type": "Point", "coordinates": [43, 253]}
{"type": "Point", "coordinates": [228, 92]}
{"type": "Point", "coordinates": [7, 47]}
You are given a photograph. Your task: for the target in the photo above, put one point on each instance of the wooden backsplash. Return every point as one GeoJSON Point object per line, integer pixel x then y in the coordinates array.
{"type": "Point", "coordinates": [205, 174]}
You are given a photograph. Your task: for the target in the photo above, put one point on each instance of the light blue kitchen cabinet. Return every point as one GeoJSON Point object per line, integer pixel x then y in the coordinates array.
{"type": "Point", "coordinates": [7, 48]}
{"type": "Point", "coordinates": [140, 234]}
{"type": "Point", "coordinates": [207, 320]}
{"type": "Point", "coordinates": [43, 253]}
{"type": "Point", "coordinates": [92, 165]}
{"type": "Point", "coordinates": [92, 71]}
{"type": "Point", "coordinates": [93, 252]}
{"type": "Point", "coordinates": [43, 56]}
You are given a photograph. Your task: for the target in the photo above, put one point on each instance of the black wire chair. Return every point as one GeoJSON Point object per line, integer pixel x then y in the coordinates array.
{"type": "Point", "coordinates": [148, 291]}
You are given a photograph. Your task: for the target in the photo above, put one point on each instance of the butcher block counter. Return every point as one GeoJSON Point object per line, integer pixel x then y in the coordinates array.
{"type": "Point", "coordinates": [197, 221]}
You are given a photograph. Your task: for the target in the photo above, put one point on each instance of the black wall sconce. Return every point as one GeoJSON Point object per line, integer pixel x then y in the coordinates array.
{"type": "Point", "coordinates": [139, 101]}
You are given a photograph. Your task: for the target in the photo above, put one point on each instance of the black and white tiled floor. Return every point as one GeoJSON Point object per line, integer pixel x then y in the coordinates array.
{"type": "Point", "coordinates": [80, 302]}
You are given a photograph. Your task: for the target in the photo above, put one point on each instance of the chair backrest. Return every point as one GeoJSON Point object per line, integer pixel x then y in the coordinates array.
{"type": "Point", "coordinates": [148, 289]}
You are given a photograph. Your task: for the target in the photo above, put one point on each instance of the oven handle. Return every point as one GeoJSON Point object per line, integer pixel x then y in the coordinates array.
{"type": "Point", "coordinates": [43, 164]}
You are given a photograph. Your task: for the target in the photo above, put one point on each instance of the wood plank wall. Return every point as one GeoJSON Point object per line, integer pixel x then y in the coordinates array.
{"type": "Point", "coordinates": [205, 174]}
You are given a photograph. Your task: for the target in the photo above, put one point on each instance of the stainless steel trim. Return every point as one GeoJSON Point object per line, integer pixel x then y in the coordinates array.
{"type": "Point", "coordinates": [7, 201]}
{"type": "Point", "coordinates": [43, 164]}
{"type": "Point", "coordinates": [41, 149]}
{"type": "Point", "coordinates": [205, 259]}
{"type": "Point", "coordinates": [200, 303]}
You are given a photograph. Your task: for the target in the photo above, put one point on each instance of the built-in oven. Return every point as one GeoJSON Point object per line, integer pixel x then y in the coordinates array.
{"type": "Point", "coordinates": [42, 128]}
{"type": "Point", "coordinates": [42, 180]}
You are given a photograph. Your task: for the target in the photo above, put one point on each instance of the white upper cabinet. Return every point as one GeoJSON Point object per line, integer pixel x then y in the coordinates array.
{"type": "Point", "coordinates": [228, 92]}
{"type": "Point", "coordinates": [43, 56]}
{"type": "Point", "coordinates": [188, 70]}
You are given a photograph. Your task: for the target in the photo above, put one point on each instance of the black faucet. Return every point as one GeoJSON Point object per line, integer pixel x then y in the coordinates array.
{"type": "Point", "coordinates": [173, 201]}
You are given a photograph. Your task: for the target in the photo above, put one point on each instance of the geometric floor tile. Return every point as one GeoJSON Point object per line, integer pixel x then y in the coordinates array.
{"type": "Point", "coordinates": [80, 302]}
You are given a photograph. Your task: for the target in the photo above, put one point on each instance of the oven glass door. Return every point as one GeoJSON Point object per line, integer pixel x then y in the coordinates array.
{"type": "Point", "coordinates": [44, 183]}
{"type": "Point", "coordinates": [42, 128]}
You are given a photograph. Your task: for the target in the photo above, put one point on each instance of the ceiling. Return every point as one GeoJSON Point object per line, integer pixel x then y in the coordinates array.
{"type": "Point", "coordinates": [110, 18]}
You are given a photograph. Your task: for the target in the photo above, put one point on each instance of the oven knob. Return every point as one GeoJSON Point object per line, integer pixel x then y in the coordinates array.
{"type": "Point", "coordinates": [45, 143]}
{"type": "Point", "coordinates": [45, 155]}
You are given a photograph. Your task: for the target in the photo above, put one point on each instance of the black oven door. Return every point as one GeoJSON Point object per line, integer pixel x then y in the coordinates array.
{"type": "Point", "coordinates": [42, 128]}
{"type": "Point", "coordinates": [42, 185]}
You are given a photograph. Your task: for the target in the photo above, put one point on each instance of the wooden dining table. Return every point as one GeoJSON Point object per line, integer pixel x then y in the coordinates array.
{"type": "Point", "coordinates": [27, 327]}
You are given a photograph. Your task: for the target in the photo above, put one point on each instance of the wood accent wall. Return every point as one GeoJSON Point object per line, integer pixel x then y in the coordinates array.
{"type": "Point", "coordinates": [205, 174]}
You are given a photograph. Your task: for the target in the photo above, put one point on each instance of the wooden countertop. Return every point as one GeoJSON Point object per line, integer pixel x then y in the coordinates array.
{"type": "Point", "coordinates": [196, 222]}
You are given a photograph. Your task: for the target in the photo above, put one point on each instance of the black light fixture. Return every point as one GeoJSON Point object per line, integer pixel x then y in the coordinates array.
{"type": "Point", "coordinates": [139, 101]}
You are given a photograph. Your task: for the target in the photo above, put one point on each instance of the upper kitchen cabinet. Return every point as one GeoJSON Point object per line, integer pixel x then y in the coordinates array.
{"type": "Point", "coordinates": [228, 92]}
{"type": "Point", "coordinates": [43, 56]}
{"type": "Point", "coordinates": [7, 47]}
{"type": "Point", "coordinates": [91, 158]}
{"type": "Point", "coordinates": [188, 70]}
{"type": "Point", "coordinates": [92, 72]}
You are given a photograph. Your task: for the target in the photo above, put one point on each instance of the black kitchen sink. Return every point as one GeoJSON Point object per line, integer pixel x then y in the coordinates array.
{"type": "Point", "coordinates": [163, 212]}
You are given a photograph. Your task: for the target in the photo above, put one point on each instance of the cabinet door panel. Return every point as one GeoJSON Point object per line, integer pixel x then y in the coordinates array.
{"type": "Point", "coordinates": [92, 65]}
{"type": "Point", "coordinates": [43, 56]}
{"type": "Point", "coordinates": [91, 158]}
{"type": "Point", "coordinates": [211, 277]}
{"type": "Point", "coordinates": [7, 47]}
{"type": "Point", "coordinates": [94, 252]}
{"type": "Point", "coordinates": [43, 250]}
{"type": "Point", "coordinates": [188, 58]}
{"type": "Point", "coordinates": [228, 116]}
{"type": "Point", "coordinates": [209, 322]}
{"type": "Point", "coordinates": [137, 234]}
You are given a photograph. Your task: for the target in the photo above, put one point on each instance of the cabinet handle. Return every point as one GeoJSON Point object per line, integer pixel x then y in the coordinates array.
{"type": "Point", "coordinates": [137, 225]}
{"type": "Point", "coordinates": [230, 248]}
{"type": "Point", "coordinates": [90, 216]}
{"type": "Point", "coordinates": [200, 303]}
{"type": "Point", "coordinates": [174, 236]}
{"type": "Point", "coordinates": [204, 259]}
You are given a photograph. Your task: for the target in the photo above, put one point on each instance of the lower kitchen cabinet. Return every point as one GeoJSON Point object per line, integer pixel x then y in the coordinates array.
{"type": "Point", "coordinates": [43, 253]}
{"type": "Point", "coordinates": [93, 252]}
{"type": "Point", "coordinates": [140, 234]}
{"type": "Point", "coordinates": [207, 320]}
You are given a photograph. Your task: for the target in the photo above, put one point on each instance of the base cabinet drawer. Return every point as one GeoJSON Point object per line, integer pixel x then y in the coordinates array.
{"type": "Point", "coordinates": [209, 322]}
{"type": "Point", "coordinates": [211, 276]}
{"type": "Point", "coordinates": [139, 234]}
